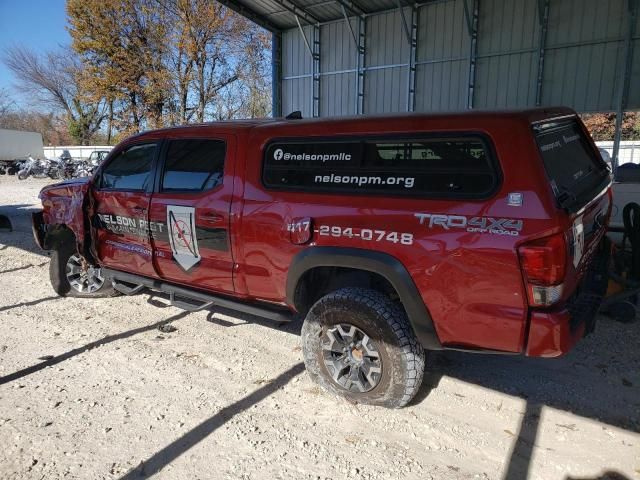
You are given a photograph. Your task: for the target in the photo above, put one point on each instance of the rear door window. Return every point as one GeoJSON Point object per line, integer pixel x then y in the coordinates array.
{"type": "Point", "coordinates": [458, 166]}
{"type": "Point", "coordinates": [193, 165]}
{"type": "Point", "coordinates": [575, 172]}
{"type": "Point", "coordinates": [130, 169]}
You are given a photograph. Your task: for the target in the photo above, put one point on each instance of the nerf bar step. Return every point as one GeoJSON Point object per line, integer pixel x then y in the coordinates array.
{"type": "Point", "coordinates": [193, 300]}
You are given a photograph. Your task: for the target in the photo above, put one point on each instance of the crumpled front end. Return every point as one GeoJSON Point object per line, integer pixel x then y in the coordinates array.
{"type": "Point", "coordinates": [64, 206]}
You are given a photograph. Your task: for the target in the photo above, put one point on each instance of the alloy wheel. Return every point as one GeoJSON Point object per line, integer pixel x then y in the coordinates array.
{"type": "Point", "coordinates": [351, 358]}
{"type": "Point", "coordinates": [82, 277]}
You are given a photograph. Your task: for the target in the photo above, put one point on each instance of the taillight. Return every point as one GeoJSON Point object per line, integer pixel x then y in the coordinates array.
{"type": "Point", "coordinates": [544, 264]}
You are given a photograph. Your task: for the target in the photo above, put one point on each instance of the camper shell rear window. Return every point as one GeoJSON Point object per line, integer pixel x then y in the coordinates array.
{"type": "Point", "coordinates": [461, 165]}
{"type": "Point", "coordinates": [576, 174]}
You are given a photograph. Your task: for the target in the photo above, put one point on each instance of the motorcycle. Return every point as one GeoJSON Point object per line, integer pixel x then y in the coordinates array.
{"type": "Point", "coordinates": [32, 167]}
{"type": "Point", "coordinates": [38, 168]}
{"type": "Point", "coordinates": [83, 169]}
{"type": "Point", "coordinates": [63, 167]}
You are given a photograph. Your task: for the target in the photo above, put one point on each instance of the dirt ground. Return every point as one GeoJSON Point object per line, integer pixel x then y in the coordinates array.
{"type": "Point", "coordinates": [102, 389]}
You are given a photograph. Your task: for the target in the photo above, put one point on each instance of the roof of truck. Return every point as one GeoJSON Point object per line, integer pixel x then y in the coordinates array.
{"type": "Point", "coordinates": [529, 115]}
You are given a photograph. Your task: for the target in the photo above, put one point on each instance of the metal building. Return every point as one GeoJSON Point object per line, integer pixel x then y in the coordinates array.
{"type": "Point", "coordinates": [345, 57]}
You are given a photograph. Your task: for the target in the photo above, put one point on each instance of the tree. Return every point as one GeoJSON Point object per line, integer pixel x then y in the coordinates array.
{"type": "Point", "coordinates": [166, 62]}
{"type": "Point", "coordinates": [52, 80]}
{"type": "Point", "coordinates": [255, 77]}
{"type": "Point", "coordinates": [123, 46]}
{"type": "Point", "coordinates": [6, 104]}
{"type": "Point", "coordinates": [602, 125]}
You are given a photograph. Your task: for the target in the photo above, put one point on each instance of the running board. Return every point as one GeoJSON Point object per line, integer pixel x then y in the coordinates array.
{"type": "Point", "coordinates": [187, 305]}
{"type": "Point", "coordinates": [126, 289]}
{"type": "Point", "coordinates": [195, 300]}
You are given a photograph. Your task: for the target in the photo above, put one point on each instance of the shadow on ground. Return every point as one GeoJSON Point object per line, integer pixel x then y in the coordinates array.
{"type": "Point", "coordinates": [585, 382]}
{"type": "Point", "coordinates": [588, 382]}
{"type": "Point", "coordinates": [53, 360]}
{"type": "Point", "coordinates": [194, 436]}
{"type": "Point", "coordinates": [30, 303]}
{"type": "Point", "coordinates": [21, 237]}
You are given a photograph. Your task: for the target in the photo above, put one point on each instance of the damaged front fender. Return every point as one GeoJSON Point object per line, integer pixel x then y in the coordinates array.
{"type": "Point", "coordinates": [64, 206]}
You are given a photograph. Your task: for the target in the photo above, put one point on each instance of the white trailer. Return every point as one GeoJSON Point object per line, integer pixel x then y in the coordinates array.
{"type": "Point", "coordinates": [17, 145]}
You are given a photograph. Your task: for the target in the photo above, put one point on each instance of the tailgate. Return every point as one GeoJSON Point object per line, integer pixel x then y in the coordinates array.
{"type": "Point", "coordinates": [588, 228]}
{"type": "Point", "coordinates": [581, 184]}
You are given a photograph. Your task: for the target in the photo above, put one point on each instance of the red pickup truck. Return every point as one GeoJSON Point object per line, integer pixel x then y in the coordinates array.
{"type": "Point", "coordinates": [390, 235]}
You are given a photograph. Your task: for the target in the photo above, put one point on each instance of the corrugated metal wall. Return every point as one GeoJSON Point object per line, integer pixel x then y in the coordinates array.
{"type": "Point", "coordinates": [583, 64]}
{"type": "Point", "coordinates": [297, 71]}
{"type": "Point", "coordinates": [508, 37]}
{"type": "Point", "coordinates": [442, 61]}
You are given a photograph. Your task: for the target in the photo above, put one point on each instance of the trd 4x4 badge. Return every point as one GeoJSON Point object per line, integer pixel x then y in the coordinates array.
{"type": "Point", "coordinates": [496, 226]}
{"type": "Point", "coordinates": [182, 235]}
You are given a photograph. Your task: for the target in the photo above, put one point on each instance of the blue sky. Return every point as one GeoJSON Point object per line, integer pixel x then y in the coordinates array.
{"type": "Point", "coordinates": [37, 24]}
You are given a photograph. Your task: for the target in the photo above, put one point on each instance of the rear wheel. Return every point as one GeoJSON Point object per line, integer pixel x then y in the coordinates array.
{"type": "Point", "coordinates": [72, 276]}
{"type": "Point", "coordinates": [358, 344]}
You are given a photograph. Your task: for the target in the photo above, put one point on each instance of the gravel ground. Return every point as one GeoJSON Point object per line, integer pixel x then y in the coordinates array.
{"type": "Point", "coordinates": [97, 389]}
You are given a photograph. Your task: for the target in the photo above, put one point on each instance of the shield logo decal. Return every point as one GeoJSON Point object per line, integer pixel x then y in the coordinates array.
{"type": "Point", "coordinates": [182, 235]}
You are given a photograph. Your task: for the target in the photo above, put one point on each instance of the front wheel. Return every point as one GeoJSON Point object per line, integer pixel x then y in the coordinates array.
{"type": "Point", "coordinates": [23, 175]}
{"type": "Point", "coordinates": [358, 344]}
{"type": "Point", "coordinates": [72, 276]}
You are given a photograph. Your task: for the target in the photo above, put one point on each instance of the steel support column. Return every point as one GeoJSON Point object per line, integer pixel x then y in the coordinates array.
{"type": "Point", "coordinates": [360, 66]}
{"type": "Point", "coordinates": [316, 71]}
{"type": "Point", "coordinates": [413, 47]}
{"type": "Point", "coordinates": [625, 78]}
{"type": "Point", "coordinates": [313, 46]}
{"type": "Point", "coordinates": [543, 21]}
{"type": "Point", "coordinates": [472, 25]}
{"type": "Point", "coordinates": [276, 74]}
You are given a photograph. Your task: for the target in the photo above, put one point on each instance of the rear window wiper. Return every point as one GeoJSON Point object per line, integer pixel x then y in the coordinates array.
{"type": "Point", "coordinates": [565, 196]}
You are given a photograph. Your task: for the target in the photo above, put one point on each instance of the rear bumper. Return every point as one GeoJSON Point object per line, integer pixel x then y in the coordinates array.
{"type": "Point", "coordinates": [554, 332]}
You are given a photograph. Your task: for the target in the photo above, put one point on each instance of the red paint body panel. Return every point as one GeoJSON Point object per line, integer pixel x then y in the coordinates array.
{"type": "Point", "coordinates": [64, 203]}
{"type": "Point", "coordinates": [471, 283]}
{"type": "Point", "coordinates": [550, 335]}
{"type": "Point", "coordinates": [108, 245]}
{"type": "Point", "coordinates": [212, 212]}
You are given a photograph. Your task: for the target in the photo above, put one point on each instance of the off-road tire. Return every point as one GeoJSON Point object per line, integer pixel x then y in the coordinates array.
{"type": "Point", "coordinates": [386, 323]}
{"type": "Point", "coordinates": [57, 274]}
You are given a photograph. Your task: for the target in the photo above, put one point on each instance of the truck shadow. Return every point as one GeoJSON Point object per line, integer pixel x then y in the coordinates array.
{"type": "Point", "coordinates": [587, 382]}
{"type": "Point", "coordinates": [590, 382]}
{"type": "Point", "coordinates": [593, 390]}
